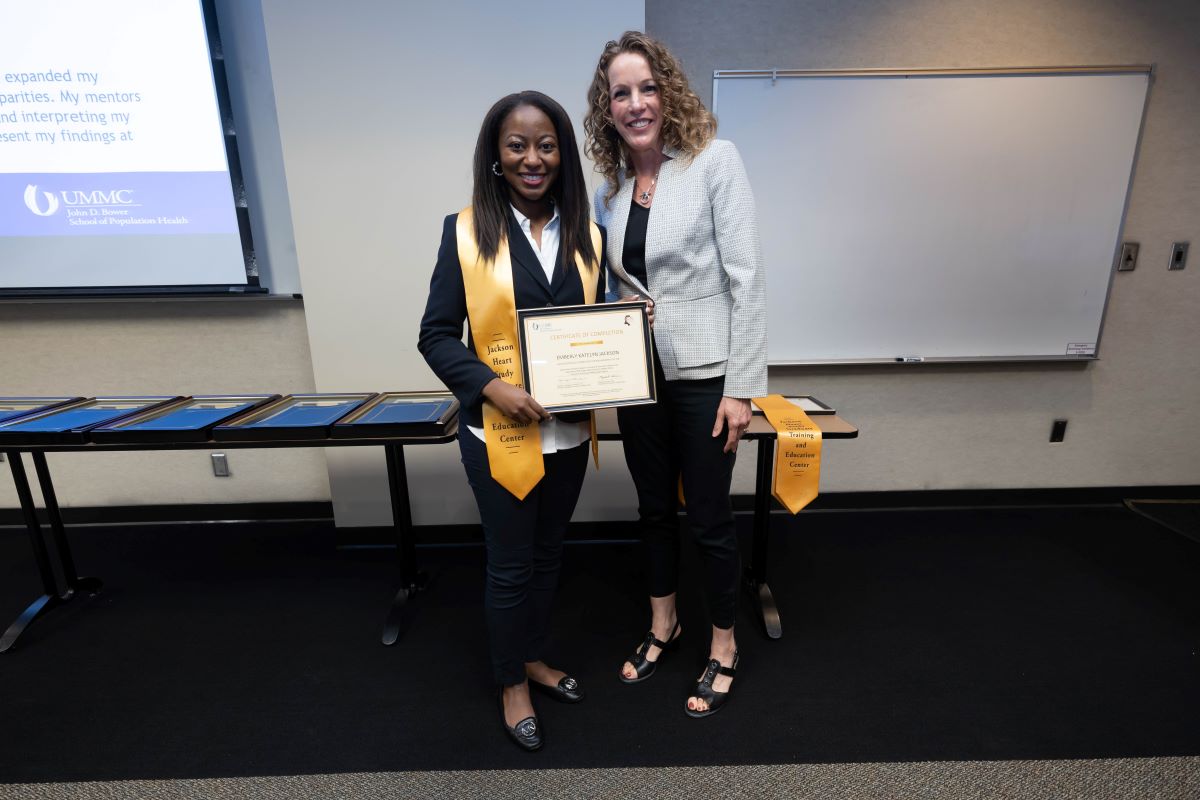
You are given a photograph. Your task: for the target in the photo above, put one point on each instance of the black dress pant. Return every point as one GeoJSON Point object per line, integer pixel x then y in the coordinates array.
{"type": "Point", "coordinates": [524, 552]}
{"type": "Point", "coordinates": [663, 442]}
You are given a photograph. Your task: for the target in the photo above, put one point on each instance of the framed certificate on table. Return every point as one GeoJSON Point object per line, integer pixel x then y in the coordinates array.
{"type": "Point", "coordinates": [69, 423]}
{"type": "Point", "coordinates": [294, 418]}
{"type": "Point", "coordinates": [806, 402]}
{"type": "Point", "coordinates": [400, 414]}
{"type": "Point", "coordinates": [585, 357]}
{"type": "Point", "coordinates": [188, 420]}
{"type": "Point", "coordinates": [13, 407]}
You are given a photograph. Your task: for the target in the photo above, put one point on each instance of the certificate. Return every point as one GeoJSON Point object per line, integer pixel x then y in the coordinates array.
{"type": "Point", "coordinates": [582, 357]}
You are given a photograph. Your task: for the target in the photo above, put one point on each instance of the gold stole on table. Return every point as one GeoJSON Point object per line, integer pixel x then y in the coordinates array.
{"type": "Point", "coordinates": [514, 450]}
{"type": "Point", "coordinates": [798, 453]}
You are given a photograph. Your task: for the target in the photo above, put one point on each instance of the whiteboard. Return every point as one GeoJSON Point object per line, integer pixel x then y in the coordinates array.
{"type": "Point", "coordinates": [936, 215]}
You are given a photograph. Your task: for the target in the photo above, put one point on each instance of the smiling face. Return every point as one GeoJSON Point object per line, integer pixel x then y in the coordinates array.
{"type": "Point", "coordinates": [529, 158]}
{"type": "Point", "coordinates": [635, 102]}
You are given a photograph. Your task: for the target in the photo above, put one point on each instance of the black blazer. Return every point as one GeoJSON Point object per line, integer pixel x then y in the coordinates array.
{"type": "Point", "coordinates": [440, 341]}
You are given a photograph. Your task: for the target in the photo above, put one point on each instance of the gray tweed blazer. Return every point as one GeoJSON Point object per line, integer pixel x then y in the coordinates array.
{"type": "Point", "coordinates": [705, 266]}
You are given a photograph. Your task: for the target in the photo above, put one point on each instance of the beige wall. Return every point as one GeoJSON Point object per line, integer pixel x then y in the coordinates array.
{"type": "Point", "coordinates": [1133, 415]}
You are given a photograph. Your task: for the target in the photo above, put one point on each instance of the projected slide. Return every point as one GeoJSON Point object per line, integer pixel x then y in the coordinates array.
{"type": "Point", "coordinates": [113, 169]}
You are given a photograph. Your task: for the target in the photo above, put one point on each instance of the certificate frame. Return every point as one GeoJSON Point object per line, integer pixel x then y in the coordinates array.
{"type": "Point", "coordinates": [805, 402]}
{"type": "Point", "coordinates": [12, 433]}
{"type": "Point", "coordinates": [125, 431]}
{"type": "Point", "coordinates": [244, 427]}
{"type": "Point", "coordinates": [13, 407]}
{"type": "Point", "coordinates": [353, 426]}
{"type": "Point", "coordinates": [589, 322]}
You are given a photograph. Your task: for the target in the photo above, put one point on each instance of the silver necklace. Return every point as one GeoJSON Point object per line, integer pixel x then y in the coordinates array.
{"type": "Point", "coordinates": [644, 197]}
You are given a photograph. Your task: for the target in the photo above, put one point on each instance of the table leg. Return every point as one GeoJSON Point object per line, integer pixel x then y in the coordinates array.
{"type": "Point", "coordinates": [75, 583]}
{"type": "Point", "coordinates": [756, 573]}
{"type": "Point", "coordinates": [411, 580]}
{"type": "Point", "coordinates": [50, 598]}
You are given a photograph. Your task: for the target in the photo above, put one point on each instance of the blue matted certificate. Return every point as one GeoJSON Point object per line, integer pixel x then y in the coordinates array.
{"type": "Point", "coordinates": [392, 414]}
{"type": "Point", "coordinates": [188, 420]}
{"type": "Point", "coordinates": [292, 418]}
{"type": "Point", "coordinates": [13, 407]}
{"type": "Point", "coordinates": [69, 423]}
{"type": "Point", "coordinates": [403, 413]}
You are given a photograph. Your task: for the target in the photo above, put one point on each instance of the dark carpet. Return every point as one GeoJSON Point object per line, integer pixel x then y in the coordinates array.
{"type": "Point", "coordinates": [233, 650]}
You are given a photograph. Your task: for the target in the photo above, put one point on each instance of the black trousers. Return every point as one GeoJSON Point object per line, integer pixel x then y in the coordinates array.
{"type": "Point", "coordinates": [663, 442]}
{"type": "Point", "coordinates": [524, 552]}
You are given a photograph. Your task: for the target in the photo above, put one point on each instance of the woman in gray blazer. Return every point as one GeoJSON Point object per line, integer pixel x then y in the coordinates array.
{"type": "Point", "coordinates": [682, 233]}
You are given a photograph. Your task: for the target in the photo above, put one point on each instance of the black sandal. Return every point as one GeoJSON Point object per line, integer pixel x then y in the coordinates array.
{"type": "Point", "coordinates": [704, 691]}
{"type": "Point", "coordinates": [642, 666]}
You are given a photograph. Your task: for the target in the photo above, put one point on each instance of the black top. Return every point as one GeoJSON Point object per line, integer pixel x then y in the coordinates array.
{"type": "Point", "coordinates": [633, 256]}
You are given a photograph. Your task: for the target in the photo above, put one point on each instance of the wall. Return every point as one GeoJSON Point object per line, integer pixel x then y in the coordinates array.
{"type": "Point", "coordinates": [1133, 419]}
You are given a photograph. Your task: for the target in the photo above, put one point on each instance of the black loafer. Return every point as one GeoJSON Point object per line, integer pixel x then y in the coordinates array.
{"type": "Point", "coordinates": [567, 690]}
{"type": "Point", "coordinates": [526, 734]}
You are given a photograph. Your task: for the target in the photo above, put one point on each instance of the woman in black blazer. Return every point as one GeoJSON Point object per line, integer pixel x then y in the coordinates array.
{"type": "Point", "coordinates": [525, 242]}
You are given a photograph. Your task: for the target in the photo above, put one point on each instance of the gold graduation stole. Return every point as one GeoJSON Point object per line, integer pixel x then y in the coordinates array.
{"type": "Point", "coordinates": [514, 450]}
{"type": "Point", "coordinates": [797, 454]}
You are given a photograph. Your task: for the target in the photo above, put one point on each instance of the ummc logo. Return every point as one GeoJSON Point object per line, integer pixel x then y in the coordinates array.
{"type": "Point", "coordinates": [117, 197]}
{"type": "Point", "coordinates": [31, 201]}
{"type": "Point", "coordinates": [75, 197]}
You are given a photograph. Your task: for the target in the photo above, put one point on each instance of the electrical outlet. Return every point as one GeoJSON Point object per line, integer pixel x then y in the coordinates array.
{"type": "Point", "coordinates": [1178, 255]}
{"type": "Point", "coordinates": [1128, 259]}
{"type": "Point", "coordinates": [220, 465]}
{"type": "Point", "coordinates": [1058, 430]}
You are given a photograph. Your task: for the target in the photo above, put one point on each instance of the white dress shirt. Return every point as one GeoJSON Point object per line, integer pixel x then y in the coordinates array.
{"type": "Point", "coordinates": [556, 435]}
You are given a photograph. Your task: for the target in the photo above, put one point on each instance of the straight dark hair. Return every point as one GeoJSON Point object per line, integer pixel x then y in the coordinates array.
{"type": "Point", "coordinates": [490, 197]}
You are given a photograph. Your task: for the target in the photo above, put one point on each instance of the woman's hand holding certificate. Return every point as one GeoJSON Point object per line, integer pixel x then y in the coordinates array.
{"type": "Point", "coordinates": [649, 306]}
{"type": "Point", "coordinates": [514, 402]}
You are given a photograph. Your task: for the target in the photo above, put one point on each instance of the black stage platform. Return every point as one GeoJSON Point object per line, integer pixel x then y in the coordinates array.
{"type": "Point", "coordinates": [253, 649]}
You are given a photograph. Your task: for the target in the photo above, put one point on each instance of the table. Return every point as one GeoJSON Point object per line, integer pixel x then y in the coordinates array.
{"type": "Point", "coordinates": [400, 612]}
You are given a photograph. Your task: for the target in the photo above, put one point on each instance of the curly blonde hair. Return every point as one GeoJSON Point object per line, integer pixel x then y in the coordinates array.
{"type": "Point", "coordinates": [686, 124]}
